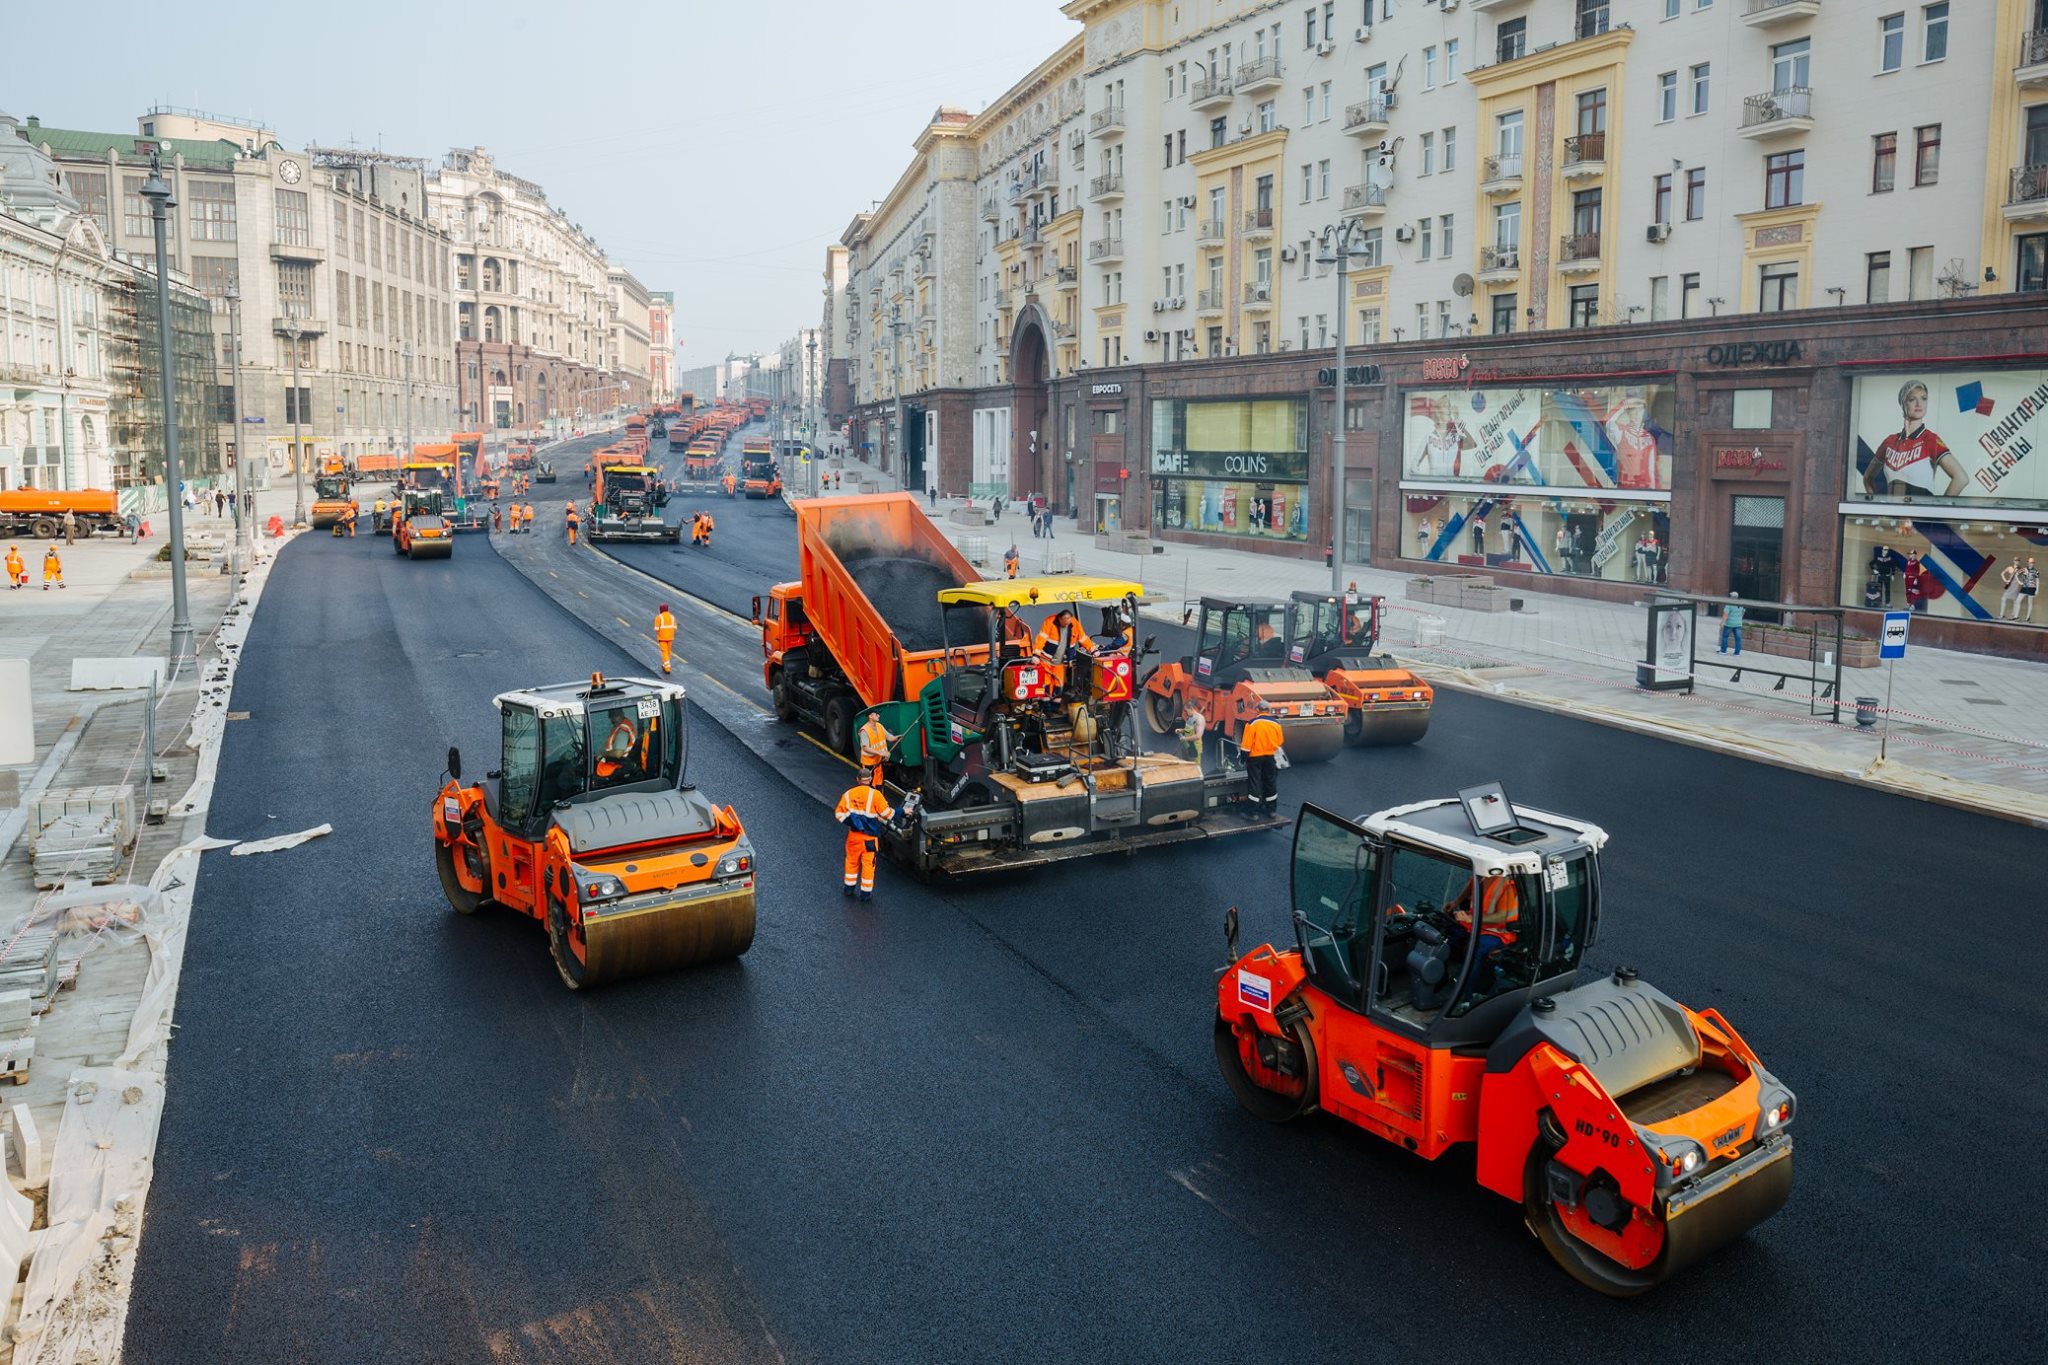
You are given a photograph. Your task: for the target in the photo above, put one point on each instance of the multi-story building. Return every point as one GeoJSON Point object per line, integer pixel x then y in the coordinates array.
{"type": "Point", "coordinates": [534, 300]}
{"type": "Point", "coordinates": [799, 386]}
{"type": "Point", "coordinates": [661, 345]}
{"type": "Point", "coordinates": [328, 254]}
{"type": "Point", "coordinates": [833, 355]}
{"type": "Point", "coordinates": [630, 344]}
{"type": "Point", "coordinates": [1777, 198]}
{"type": "Point", "coordinates": [81, 396]}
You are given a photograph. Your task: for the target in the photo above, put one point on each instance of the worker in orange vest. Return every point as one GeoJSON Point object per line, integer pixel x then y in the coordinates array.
{"type": "Point", "coordinates": [665, 633]}
{"type": "Point", "coordinates": [1262, 741]}
{"type": "Point", "coordinates": [864, 811]}
{"type": "Point", "coordinates": [574, 522]}
{"type": "Point", "coordinates": [17, 572]}
{"type": "Point", "coordinates": [1010, 562]}
{"type": "Point", "coordinates": [53, 569]}
{"type": "Point", "coordinates": [875, 740]}
{"type": "Point", "coordinates": [710, 525]}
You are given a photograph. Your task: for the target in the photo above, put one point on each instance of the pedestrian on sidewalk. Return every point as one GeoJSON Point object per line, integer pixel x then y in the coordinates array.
{"type": "Point", "coordinates": [220, 502]}
{"type": "Point", "coordinates": [1731, 625]}
{"type": "Point", "coordinates": [70, 527]}
{"type": "Point", "coordinates": [1048, 523]}
{"type": "Point", "coordinates": [931, 495]}
{"type": "Point", "coordinates": [2030, 588]}
{"type": "Point", "coordinates": [53, 569]}
{"type": "Point", "coordinates": [1916, 583]}
{"type": "Point", "coordinates": [1884, 562]}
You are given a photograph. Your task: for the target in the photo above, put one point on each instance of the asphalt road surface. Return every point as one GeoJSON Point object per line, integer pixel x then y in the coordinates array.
{"type": "Point", "coordinates": [983, 1121]}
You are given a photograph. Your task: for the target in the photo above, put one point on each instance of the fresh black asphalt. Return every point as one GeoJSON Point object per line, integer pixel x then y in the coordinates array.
{"type": "Point", "coordinates": [984, 1121]}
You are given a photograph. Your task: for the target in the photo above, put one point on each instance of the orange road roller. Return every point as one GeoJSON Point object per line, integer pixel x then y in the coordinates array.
{"type": "Point", "coordinates": [1334, 637]}
{"type": "Point", "coordinates": [590, 826]}
{"type": "Point", "coordinates": [1432, 998]}
{"type": "Point", "coordinates": [1239, 672]}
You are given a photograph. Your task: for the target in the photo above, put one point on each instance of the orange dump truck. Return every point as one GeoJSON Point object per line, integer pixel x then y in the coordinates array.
{"type": "Point", "coordinates": [40, 513]}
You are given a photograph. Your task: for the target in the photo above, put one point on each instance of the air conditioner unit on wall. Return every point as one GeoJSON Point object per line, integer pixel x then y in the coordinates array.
{"type": "Point", "coordinates": [1363, 35]}
{"type": "Point", "coordinates": [1404, 233]}
{"type": "Point", "coordinates": [1659, 232]}
{"type": "Point", "coordinates": [1187, 201]}
{"type": "Point", "coordinates": [1325, 48]}
{"type": "Point", "coordinates": [1151, 336]}
{"type": "Point", "coordinates": [1288, 253]}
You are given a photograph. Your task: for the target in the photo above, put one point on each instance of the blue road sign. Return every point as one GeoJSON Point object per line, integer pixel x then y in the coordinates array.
{"type": "Point", "coordinates": [1892, 645]}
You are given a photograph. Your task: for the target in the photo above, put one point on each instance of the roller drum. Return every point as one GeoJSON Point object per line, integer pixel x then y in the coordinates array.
{"type": "Point", "coordinates": [431, 549]}
{"type": "Point", "coordinates": [661, 938]}
{"type": "Point", "coordinates": [1312, 739]}
{"type": "Point", "coordinates": [1379, 726]}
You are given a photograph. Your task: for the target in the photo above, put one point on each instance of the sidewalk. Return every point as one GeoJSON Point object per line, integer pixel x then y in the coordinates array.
{"type": "Point", "coordinates": [1966, 729]}
{"type": "Point", "coordinates": [121, 952]}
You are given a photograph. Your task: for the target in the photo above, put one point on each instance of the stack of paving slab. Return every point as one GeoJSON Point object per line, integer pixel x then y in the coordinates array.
{"type": "Point", "coordinates": [81, 833]}
{"type": "Point", "coordinates": [1470, 591]}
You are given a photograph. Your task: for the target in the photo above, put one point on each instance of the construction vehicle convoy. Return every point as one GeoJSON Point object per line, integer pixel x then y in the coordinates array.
{"type": "Point", "coordinates": [702, 464]}
{"type": "Point", "coordinates": [759, 475]}
{"type": "Point", "coordinates": [627, 503]}
{"type": "Point", "coordinates": [40, 513]}
{"type": "Point", "coordinates": [1431, 998]}
{"type": "Point", "coordinates": [590, 825]}
{"type": "Point", "coordinates": [1334, 637]}
{"type": "Point", "coordinates": [1005, 755]}
{"type": "Point", "coordinates": [1239, 672]}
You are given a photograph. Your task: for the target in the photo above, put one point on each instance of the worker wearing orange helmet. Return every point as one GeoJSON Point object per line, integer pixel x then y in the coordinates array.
{"type": "Point", "coordinates": [617, 753]}
{"type": "Point", "coordinates": [665, 633]}
{"type": "Point", "coordinates": [864, 811]}
{"type": "Point", "coordinates": [17, 572]}
{"type": "Point", "coordinates": [1262, 742]}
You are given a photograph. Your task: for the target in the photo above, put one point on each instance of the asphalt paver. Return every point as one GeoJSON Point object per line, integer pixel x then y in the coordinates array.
{"type": "Point", "coordinates": [982, 1120]}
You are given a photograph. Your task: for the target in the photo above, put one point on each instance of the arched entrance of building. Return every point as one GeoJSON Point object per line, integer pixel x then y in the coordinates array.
{"type": "Point", "coordinates": [1033, 440]}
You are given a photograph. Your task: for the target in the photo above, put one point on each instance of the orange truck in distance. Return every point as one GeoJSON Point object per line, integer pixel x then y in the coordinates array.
{"type": "Point", "coordinates": [40, 513]}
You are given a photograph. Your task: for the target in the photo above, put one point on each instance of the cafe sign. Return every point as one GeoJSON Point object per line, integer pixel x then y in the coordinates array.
{"type": "Point", "coordinates": [1287, 466]}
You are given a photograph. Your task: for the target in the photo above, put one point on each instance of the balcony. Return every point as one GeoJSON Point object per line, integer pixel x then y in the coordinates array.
{"type": "Point", "coordinates": [1210, 90]}
{"type": "Point", "coordinates": [1106, 187]}
{"type": "Point", "coordinates": [1365, 201]}
{"type": "Point", "coordinates": [1209, 303]}
{"type": "Point", "coordinates": [286, 251]}
{"type": "Point", "coordinates": [1258, 298]}
{"type": "Point", "coordinates": [1031, 234]}
{"type": "Point", "coordinates": [1585, 156]}
{"type": "Point", "coordinates": [312, 327]}
{"type": "Point", "coordinates": [1255, 76]}
{"type": "Point", "coordinates": [1500, 264]}
{"type": "Point", "coordinates": [1367, 118]}
{"type": "Point", "coordinates": [2033, 67]}
{"type": "Point", "coordinates": [1780, 113]}
{"type": "Point", "coordinates": [2026, 199]}
{"type": "Point", "coordinates": [1107, 123]}
{"type": "Point", "coordinates": [1212, 232]}
{"type": "Point", "coordinates": [1105, 250]}
{"type": "Point", "coordinates": [1500, 175]}
{"type": "Point", "coordinates": [1578, 252]}
{"type": "Point", "coordinates": [991, 211]}
{"type": "Point", "coordinates": [1258, 224]}
{"type": "Point", "coordinates": [1066, 277]}
{"type": "Point", "coordinates": [1764, 13]}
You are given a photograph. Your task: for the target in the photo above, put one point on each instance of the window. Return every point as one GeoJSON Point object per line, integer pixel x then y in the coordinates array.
{"type": "Point", "coordinates": [89, 188]}
{"type": "Point", "coordinates": [359, 237]}
{"type": "Point", "coordinates": [1429, 68]}
{"type": "Point", "coordinates": [1927, 154]}
{"type": "Point", "coordinates": [1592, 18]}
{"type": "Point", "coordinates": [1752, 410]}
{"type": "Point", "coordinates": [1884, 162]}
{"type": "Point", "coordinates": [1269, 117]}
{"type": "Point", "coordinates": [224, 402]}
{"type": "Point", "coordinates": [2030, 265]}
{"type": "Point", "coordinates": [1168, 163]}
{"type": "Point", "coordinates": [1308, 182]}
{"type": "Point", "coordinates": [1428, 154]}
{"type": "Point", "coordinates": [1328, 96]}
{"type": "Point", "coordinates": [1784, 179]}
{"type": "Point", "coordinates": [1586, 213]}
{"type": "Point", "coordinates": [1667, 97]}
{"type": "Point", "coordinates": [1660, 199]}
{"type": "Point", "coordinates": [135, 212]}
{"type": "Point", "coordinates": [1689, 295]}
{"type": "Point", "coordinates": [1421, 320]}
{"type": "Point", "coordinates": [1503, 314]}
{"type": "Point", "coordinates": [1695, 194]}
{"type": "Point", "coordinates": [1444, 228]}
{"type": "Point", "coordinates": [1368, 326]}
{"type": "Point", "coordinates": [1219, 131]}
{"type": "Point", "coordinates": [295, 288]}
{"type": "Point", "coordinates": [1428, 235]}
{"type": "Point", "coordinates": [1508, 140]}
{"type": "Point", "coordinates": [1701, 80]}
{"type": "Point", "coordinates": [1934, 33]}
{"type": "Point", "coordinates": [1891, 42]}
{"type": "Point", "coordinates": [1507, 227]}
{"type": "Point", "coordinates": [1451, 58]}
{"type": "Point", "coordinates": [1671, 8]}
{"type": "Point", "coordinates": [1877, 277]}
{"type": "Point", "coordinates": [1777, 288]}
{"type": "Point", "coordinates": [1323, 178]}
{"type": "Point", "coordinates": [215, 275]}
{"type": "Point", "coordinates": [1660, 297]}
{"type": "Point", "coordinates": [294, 225]}
{"type": "Point", "coordinates": [298, 404]}
{"type": "Point", "coordinates": [1919, 272]}
{"type": "Point", "coordinates": [1585, 305]}
{"type": "Point", "coordinates": [213, 209]}
{"type": "Point", "coordinates": [1308, 105]}
{"type": "Point", "coordinates": [1511, 39]}
{"type": "Point", "coordinates": [1450, 146]}
{"type": "Point", "coordinates": [1315, 16]}
{"type": "Point", "coordinates": [1592, 111]}
{"type": "Point", "coordinates": [1369, 248]}
{"type": "Point", "coordinates": [1791, 64]}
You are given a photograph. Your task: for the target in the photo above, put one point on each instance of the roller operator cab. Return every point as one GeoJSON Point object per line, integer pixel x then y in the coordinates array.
{"type": "Point", "coordinates": [1239, 672]}
{"type": "Point", "coordinates": [1432, 998]}
{"type": "Point", "coordinates": [591, 826]}
{"type": "Point", "coordinates": [1335, 637]}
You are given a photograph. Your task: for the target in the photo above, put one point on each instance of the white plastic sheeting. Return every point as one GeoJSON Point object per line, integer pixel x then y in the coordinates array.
{"type": "Point", "coordinates": [279, 842]}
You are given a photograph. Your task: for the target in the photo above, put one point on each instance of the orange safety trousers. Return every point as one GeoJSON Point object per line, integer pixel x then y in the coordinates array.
{"type": "Point", "coordinates": [666, 647]}
{"type": "Point", "coordinates": [860, 859]}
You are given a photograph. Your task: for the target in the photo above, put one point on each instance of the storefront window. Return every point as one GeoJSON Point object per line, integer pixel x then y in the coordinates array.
{"type": "Point", "coordinates": [1585, 437]}
{"type": "Point", "coordinates": [1945, 478]}
{"type": "Point", "coordinates": [1621, 542]}
{"type": "Point", "coordinates": [1231, 467]}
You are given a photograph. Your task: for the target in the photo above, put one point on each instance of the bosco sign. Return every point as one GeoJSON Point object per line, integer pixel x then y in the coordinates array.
{"type": "Point", "coordinates": [1440, 369]}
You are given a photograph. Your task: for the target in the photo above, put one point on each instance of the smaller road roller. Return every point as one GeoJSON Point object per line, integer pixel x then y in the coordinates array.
{"type": "Point", "coordinates": [590, 826]}
{"type": "Point", "coordinates": [1239, 672]}
{"type": "Point", "coordinates": [1334, 637]}
{"type": "Point", "coordinates": [1432, 998]}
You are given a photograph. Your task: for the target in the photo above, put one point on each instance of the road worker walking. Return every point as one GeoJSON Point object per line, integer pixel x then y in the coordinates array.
{"type": "Point", "coordinates": [1262, 743]}
{"type": "Point", "coordinates": [377, 515]}
{"type": "Point", "coordinates": [1010, 561]}
{"type": "Point", "coordinates": [665, 633]}
{"type": "Point", "coordinates": [53, 569]}
{"type": "Point", "coordinates": [574, 522]}
{"type": "Point", "coordinates": [864, 811]}
{"type": "Point", "coordinates": [17, 572]}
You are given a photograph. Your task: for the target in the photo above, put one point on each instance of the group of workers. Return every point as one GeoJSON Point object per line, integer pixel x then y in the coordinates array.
{"type": "Point", "coordinates": [345, 524]}
{"type": "Point", "coordinates": [17, 571]}
{"type": "Point", "coordinates": [520, 515]}
{"type": "Point", "coordinates": [701, 526]}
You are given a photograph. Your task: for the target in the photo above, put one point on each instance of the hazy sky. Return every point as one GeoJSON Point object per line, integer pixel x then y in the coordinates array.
{"type": "Point", "coordinates": [714, 149]}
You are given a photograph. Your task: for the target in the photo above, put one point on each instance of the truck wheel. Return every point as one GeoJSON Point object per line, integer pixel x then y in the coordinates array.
{"type": "Point", "coordinates": [1162, 713]}
{"type": "Point", "coordinates": [47, 528]}
{"type": "Point", "coordinates": [785, 709]}
{"type": "Point", "coordinates": [839, 724]}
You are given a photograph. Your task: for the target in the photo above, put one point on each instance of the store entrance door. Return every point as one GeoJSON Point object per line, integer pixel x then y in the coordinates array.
{"type": "Point", "coordinates": [1756, 552]}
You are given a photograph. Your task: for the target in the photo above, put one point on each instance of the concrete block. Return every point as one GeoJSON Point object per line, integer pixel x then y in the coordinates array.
{"type": "Point", "coordinates": [115, 803]}
{"type": "Point", "coordinates": [91, 675]}
{"type": "Point", "coordinates": [16, 1213]}
{"type": "Point", "coordinates": [28, 1147]}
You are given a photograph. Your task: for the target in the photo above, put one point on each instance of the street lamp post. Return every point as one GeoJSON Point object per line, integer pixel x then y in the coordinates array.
{"type": "Point", "coordinates": [158, 193]}
{"type": "Point", "coordinates": [1337, 250]}
{"type": "Point", "coordinates": [811, 409]}
{"type": "Point", "coordinates": [292, 332]}
{"type": "Point", "coordinates": [407, 353]}
{"type": "Point", "coordinates": [244, 512]}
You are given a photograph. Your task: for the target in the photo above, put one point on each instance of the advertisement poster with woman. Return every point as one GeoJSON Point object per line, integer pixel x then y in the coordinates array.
{"type": "Point", "coordinates": [1590, 437]}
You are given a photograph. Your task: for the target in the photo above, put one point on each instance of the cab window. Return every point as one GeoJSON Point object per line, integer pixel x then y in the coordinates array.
{"type": "Point", "coordinates": [1571, 911]}
{"type": "Point", "coordinates": [518, 765]}
{"type": "Point", "coordinates": [562, 762]}
{"type": "Point", "coordinates": [1502, 934]}
{"type": "Point", "coordinates": [1421, 944]}
{"type": "Point", "coordinates": [1335, 871]}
